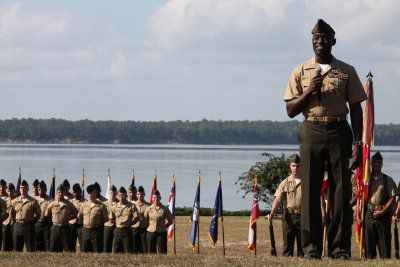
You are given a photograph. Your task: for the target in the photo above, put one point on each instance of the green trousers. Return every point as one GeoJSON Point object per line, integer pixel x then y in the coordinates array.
{"type": "Point", "coordinates": [322, 143]}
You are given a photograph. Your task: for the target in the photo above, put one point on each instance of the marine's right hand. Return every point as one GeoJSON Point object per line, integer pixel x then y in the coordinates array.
{"type": "Point", "coordinates": [315, 84]}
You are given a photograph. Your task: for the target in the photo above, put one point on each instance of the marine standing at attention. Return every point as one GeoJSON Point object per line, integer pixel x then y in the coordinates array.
{"type": "Point", "coordinates": [381, 205]}
{"type": "Point", "coordinates": [42, 226]}
{"type": "Point", "coordinates": [159, 218]}
{"type": "Point", "coordinates": [93, 214]}
{"type": "Point", "coordinates": [8, 222]}
{"type": "Point", "coordinates": [26, 212]}
{"type": "Point", "coordinates": [289, 194]}
{"type": "Point", "coordinates": [60, 211]}
{"type": "Point", "coordinates": [322, 89]}
{"type": "Point", "coordinates": [139, 225]}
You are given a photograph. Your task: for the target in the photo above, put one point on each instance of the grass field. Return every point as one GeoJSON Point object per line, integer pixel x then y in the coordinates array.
{"type": "Point", "coordinates": [236, 229]}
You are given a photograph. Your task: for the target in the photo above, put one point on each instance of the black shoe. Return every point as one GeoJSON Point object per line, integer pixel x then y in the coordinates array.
{"type": "Point", "coordinates": [341, 256]}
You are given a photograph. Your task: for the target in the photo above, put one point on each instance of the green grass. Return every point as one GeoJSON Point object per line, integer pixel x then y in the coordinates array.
{"type": "Point", "coordinates": [236, 252]}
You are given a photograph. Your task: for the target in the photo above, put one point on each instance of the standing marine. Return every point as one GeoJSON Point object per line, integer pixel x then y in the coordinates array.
{"type": "Point", "coordinates": [288, 194]}
{"type": "Point", "coordinates": [325, 89]}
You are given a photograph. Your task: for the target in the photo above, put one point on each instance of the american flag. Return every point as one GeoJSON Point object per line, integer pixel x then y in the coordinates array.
{"type": "Point", "coordinates": [171, 207]}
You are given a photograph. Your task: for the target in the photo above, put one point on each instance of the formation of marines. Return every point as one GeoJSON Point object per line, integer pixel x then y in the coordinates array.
{"type": "Point", "coordinates": [124, 222]}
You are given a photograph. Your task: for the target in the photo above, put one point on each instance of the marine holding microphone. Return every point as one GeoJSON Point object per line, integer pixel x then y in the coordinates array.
{"type": "Point", "coordinates": [325, 90]}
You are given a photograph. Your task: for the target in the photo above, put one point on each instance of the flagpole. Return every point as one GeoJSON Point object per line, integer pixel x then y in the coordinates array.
{"type": "Point", "coordinates": [255, 229]}
{"type": "Point", "coordinates": [198, 220]}
{"type": "Point", "coordinates": [83, 183]}
{"type": "Point", "coordinates": [174, 227]}
{"type": "Point", "coordinates": [222, 218]}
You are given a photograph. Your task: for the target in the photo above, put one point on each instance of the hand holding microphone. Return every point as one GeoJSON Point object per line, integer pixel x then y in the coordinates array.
{"type": "Point", "coordinates": [316, 83]}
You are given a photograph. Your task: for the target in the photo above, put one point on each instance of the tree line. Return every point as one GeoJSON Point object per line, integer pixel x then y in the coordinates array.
{"type": "Point", "coordinates": [161, 132]}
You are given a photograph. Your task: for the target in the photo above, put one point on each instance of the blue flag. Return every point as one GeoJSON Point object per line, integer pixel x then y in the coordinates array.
{"type": "Point", "coordinates": [195, 217]}
{"type": "Point", "coordinates": [217, 213]}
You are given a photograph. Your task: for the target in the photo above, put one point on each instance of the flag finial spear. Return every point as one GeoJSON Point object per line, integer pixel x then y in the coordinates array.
{"type": "Point", "coordinates": [369, 75]}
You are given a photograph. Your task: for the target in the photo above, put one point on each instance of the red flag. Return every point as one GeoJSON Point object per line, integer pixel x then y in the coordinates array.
{"type": "Point", "coordinates": [153, 189]}
{"type": "Point", "coordinates": [324, 187]}
{"type": "Point", "coordinates": [363, 172]}
{"type": "Point", "coordinates": [255, 213]}
{"type": "Point", "coordinates": [171, 207]}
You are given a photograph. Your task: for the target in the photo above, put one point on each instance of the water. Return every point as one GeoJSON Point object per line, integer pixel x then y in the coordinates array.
{"type": "Point", "coordinates": [38, 161]}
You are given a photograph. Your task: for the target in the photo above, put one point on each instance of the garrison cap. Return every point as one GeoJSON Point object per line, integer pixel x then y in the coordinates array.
{"type": "Point", "coordinates": [61, 187]}
{"type": "Point", "coordinates": [24, 183]}
{"type": "Point", "coordinates": [90, 188]}
{"type": "Point", "coordinates": [35, 183]}
{"type": "Point", "coordinates": [377, 156]}
{"type": "Point", "coordinates": [157, 193]}
{"type": "Point", "coordinates": [132, 188]}
{"type": "Point", "coordinates": [11, 187]}
{"type": "Point", "coordinates": [42, 185]}
{"type": "Point", "coordinates": [66, 184]}
{"type": "Point", "coordinates": [3, 182]}
{"type": "Point", "coordinates": [322, 27]}
{"type": "Point", "coordinates": [141, 189]}
{"type": "Point", "coordinates": [294, 158]}
{"type": "Point", "coordinates": [97, 187]}
{"type": "Point", "coordinates": [76, 188]}
{"type": "Point", "coordinates": [113, 188]}
{"type": "Point", "coordinates": [122, 190]}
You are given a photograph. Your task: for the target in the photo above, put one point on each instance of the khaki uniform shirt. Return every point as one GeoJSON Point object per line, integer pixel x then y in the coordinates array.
{"type": "Point", "coordinates": [43, 203]}
{"type": "Point", "coordinates": [123, 214]}
{"type": "Point", "coordinates": [289, 191]}
{"type": "Point", "coordinates": [93, 214]}
{"type": "Point", "coordinates": [27, 210]}
{"type": "Point", "coordinates": [340, 85]}
{"type": "Point", "coordinates": [10, 213]}
{"type": "Point", "coordinates": [61, 211]}
{"type": "Point", "coordinates": [77, 204]}
{"type": "Point", "coordinates": [377, 190]}
{"type": "Point", "coordinates": [109, 206]}
{"type": "Point", "coordinates": [157, 218]}
{"type": "Point", "coordinates": [140, 221]}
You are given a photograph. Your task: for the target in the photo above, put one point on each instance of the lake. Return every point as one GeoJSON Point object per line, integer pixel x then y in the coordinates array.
{"type": "Point", "coordinates": [38, 161]}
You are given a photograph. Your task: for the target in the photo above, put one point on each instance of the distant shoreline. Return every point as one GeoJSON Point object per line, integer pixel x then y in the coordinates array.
{"type": "Point", "coordinates": [263, 148]}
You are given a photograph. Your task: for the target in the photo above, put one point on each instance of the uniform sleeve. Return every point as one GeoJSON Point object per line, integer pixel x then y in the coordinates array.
{"type": "Point", "coordinates": [293, 87]}
{"type": "Point", "coordinates": [279, 190]}
{"type": "Point", "coordinates": [355, 89]}
{"type": "Point", "coordinates": [392, 189]}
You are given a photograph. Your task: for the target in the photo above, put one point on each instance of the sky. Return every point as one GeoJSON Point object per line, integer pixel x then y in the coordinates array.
{"type": "Point", "coordinates": [182, 59]}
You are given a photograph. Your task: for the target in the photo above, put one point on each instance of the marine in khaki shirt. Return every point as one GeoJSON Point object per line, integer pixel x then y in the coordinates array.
{"type": "Point", "coordinates": [42, 226]}
{"type": "Point", "coordinates": [123, 214]}
{"type": "Point", "coordinates": [288, 194]}
{"type": "Point", "coordinates": [139, 223]}
{"type": "Point", "coordinates": [159, 218]}
{"type": "Point", "coordinates": [93, 214]}
{"type": "Point", "coordinates": [340, 85]}
{"type": "Point", "coordinates": [381, 205]}
{"type": "Point", "coordinates": [8, 220]}
{"type": "Point", "coordinates": [3, 190]}
{"type": "Point", "coordinates": [61, 211]}
{"type": "Point", "coordinates": [26, 212]}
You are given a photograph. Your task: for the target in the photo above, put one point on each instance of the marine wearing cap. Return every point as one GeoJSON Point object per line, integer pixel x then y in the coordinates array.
{"type": "Point", "coordinates": [109, 225]}
{"type": "Point", "coordinates": [42, 226]}
{"type": "Point", "coordinates": [139, 224]}
{"type": "Point", "coordinates": [381, 205]}
{"type": "Point", "coordinates": [325, 89]}
{"type": "Point", "coordinates": [27, 212]}
{"type": "Point", "coordinates": [8, 221]}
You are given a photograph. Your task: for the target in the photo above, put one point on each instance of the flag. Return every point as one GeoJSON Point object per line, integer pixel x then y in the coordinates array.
{"type": "Point", "coordinates": [195, 217]}
{"type": "Point", "coordinates": [83, 183]}
{"type": "Point", "coordinates": [153, 189]}
{"type": "Point", "coordinates": [363, 172]}
{"type": "Point", "coordinates": [213, 232]}
{"type": "Point", "coordinates": [52, 192]}
{"type": "Point", "coordinates": [171, 207]}
{"type": "Point", "coordinates": [109, 185]}
{"type": "Point", "coordinates": [133, 178]}
{"type": "Point", "coordinates": [324, 186]}
{"type": "Point", "coordinates": [255, 213]}
{"type": "Point", "coordinates": [19, 180]}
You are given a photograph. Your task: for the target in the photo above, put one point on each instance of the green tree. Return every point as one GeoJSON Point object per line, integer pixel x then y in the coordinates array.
{"type": "Point", "coordinates": [269, 174]}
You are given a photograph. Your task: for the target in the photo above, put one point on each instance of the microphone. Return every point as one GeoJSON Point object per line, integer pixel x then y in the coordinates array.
{"type": "Point", "coordinates": [318, 71]}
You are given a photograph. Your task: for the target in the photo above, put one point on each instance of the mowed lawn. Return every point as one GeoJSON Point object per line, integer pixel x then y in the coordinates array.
{"type": "Point", "coordinates": [237, 254]}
